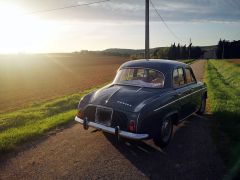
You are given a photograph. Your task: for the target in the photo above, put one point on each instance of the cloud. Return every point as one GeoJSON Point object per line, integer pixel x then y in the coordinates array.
{"type": "Point", "coordinates": [204, 10]}
{"type": "Point", "coordinates": [125, 10]}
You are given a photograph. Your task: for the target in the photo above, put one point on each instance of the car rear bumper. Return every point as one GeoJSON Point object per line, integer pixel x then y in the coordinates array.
{"type": "Point", "coordinates": [116, 131]}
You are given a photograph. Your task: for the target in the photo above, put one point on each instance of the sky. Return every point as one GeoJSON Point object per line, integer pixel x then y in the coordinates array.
{"type": "Point", "coordinates": [113, 24]}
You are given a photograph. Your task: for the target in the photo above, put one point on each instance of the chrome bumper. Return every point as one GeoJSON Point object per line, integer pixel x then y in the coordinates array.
{"type": "Point", "coordinates": [111, 130]}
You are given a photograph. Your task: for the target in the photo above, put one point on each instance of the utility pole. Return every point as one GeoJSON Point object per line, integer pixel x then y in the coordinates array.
{"type": "Point", "coordinates": [189, 50]}
{"type": "Point", "coordinates": [147, 30]}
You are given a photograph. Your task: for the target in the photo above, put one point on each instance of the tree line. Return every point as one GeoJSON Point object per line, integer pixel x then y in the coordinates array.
{"type": "Point", "coordinates": [174, 52]}
{"type": "Point", "coordinates": [227, 49]}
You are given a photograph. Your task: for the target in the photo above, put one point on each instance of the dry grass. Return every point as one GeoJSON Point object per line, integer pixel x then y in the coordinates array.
{"type": "Point", "coordinates": [236, 61]}
{"type": "Point", "coordinates": [33, 78]}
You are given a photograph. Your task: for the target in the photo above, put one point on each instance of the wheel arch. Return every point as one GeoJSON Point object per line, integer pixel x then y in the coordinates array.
{"type": "Point", "coordinates": [174, 115]}
{"type": "Point", "coordinates": [149, 121]}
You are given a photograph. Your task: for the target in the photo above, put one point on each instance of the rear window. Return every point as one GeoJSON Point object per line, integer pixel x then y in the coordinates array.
{"type": "Point", "coordinates": [140, 77]}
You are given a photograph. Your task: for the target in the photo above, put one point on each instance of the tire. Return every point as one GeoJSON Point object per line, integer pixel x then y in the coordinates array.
{"type": "Point", "coordinates": [202, 107]}
{"type": "Point", "coordinates": [165, 133]}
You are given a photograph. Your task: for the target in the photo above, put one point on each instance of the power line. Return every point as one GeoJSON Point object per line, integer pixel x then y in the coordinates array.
{"type": "Point", "coordinates": [66, 7]}
{"type": "Point", "coordinates": [169, 29]}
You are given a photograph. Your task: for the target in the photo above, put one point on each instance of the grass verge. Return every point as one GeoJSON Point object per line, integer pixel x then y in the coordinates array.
{"type": "Point", "coordinates": [20, 126]}
{"type": "Point", "coordinates": [223, 81]}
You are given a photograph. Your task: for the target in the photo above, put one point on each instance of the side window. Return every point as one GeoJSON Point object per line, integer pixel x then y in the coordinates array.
{"type": "Point", "coordinates": [178, 77]}
{"type": "Point", "coordinates": [140, 73]}
{"type": "Point", "coordinates": [181, 76]}
{"type": "Point", "coordinates": [189, 76]}
{"type": "Point", "coordinates": [175, 78]}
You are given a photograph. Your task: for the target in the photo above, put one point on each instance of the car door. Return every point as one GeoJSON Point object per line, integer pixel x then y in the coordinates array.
{"type": "Point", "coordinates": [191, 83]}
{"type": "Point", "coordinates": [181, 92]}
{"type": "Point", "coordinates": [194, 89]}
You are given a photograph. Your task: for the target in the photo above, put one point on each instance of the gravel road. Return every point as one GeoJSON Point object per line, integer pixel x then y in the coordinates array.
{"type": "Point", "coordinates": [74, 153]}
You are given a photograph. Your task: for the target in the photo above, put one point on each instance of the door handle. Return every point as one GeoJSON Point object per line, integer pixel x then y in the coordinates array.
{"type": "Point", "coordinates": [178, 95]}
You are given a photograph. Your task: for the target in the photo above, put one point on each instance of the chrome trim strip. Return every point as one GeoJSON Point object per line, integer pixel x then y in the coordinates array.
{"type": "Point", "coordinates": [177, 100]}
{"type": "Point", "coordinates": [111, 130]}
{"type": "Point", "coordinates": [139, 89]}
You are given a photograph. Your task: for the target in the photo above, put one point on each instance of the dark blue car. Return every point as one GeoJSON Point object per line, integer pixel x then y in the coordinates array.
{"type": "Point", "coordinates": [144, 100]}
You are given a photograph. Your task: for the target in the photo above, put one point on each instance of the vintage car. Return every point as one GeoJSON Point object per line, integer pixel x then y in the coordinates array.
{"type": "Point", "coordinates": [144, 100]}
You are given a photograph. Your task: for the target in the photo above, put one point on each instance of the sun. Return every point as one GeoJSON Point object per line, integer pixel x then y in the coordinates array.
{"type": "Point", "coordinates": [20, 32]}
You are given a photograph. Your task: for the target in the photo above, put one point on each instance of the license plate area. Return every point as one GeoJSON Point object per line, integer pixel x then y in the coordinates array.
{"type": "Point", "coordinates": [103, 116]}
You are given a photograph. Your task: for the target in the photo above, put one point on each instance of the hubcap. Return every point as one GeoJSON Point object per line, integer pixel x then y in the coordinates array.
{"type": "Point", "coordinates": [166, 129]}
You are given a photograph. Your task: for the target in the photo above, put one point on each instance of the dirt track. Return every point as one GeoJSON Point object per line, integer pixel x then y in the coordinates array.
{"type": "Point", "coordinates": [77, 154]}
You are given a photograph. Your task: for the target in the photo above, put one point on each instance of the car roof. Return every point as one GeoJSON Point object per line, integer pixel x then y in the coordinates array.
{"type": "Point", "coordinates": [162, 65]}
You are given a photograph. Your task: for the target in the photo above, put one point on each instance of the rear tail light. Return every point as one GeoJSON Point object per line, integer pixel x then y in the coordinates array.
{"type": "Point", "coordinates": [132, 126]}
{"type": "Point", "coordinates": [79, 113]}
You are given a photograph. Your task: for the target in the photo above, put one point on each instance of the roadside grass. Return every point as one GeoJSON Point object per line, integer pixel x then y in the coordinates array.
{"type": "Point", "coordinates": [22, 125]}
{"type": "Point", "coordinates": [223, 81]}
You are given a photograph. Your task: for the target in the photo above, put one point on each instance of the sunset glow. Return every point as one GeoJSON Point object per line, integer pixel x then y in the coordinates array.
{"type": "Point", "coordinates": [20, 33]}
{"type": "Point", "coordinates": [112, 24]}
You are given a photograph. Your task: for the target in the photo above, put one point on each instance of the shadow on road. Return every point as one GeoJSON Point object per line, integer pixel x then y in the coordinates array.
{"type": "Point", "coordinates": [190, 155]}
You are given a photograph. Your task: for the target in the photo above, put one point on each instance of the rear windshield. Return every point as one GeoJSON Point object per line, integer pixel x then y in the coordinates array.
{"type": "Point", "coordinates": [140, 77]}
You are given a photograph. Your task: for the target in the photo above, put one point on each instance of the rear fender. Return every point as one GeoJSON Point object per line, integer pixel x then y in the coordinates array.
{"type": "Point", "coordinates": [152, 123]}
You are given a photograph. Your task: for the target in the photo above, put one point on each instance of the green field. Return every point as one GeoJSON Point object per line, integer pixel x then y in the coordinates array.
{"type": "Point", "coordinates": [223, 81]}
{"type": "Point", "coordinates": [20, 126]}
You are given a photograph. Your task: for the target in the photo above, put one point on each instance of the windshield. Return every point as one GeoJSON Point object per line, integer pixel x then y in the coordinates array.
{"type": "Point", "coordinates": [140, 77]}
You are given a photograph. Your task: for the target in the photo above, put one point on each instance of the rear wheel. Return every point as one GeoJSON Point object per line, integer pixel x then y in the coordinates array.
{"type": "Point", "coordinates": [165, 133]}
{"type": "Point", "coordinates": [202, 107]}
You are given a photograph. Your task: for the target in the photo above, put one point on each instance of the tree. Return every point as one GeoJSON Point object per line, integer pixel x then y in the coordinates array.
{"type": "Point", "coordinates": [219, 49]}
{"type": "Point", "coordinates": [196, 52]}
{"type": "Point", "coordinates": [178, 52]}
{"type": "Point", "coordinates": [227, 49]}
{"type": "Point", "coordinates": [184, 53]}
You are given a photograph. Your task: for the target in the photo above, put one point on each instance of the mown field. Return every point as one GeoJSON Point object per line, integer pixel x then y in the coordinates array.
{"type": "Point", "coordinates": [29, 79]}
{"type": "Point", "coordinates": [41, 92]}
{"type": "Point", "coordinates": [223, 81]}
